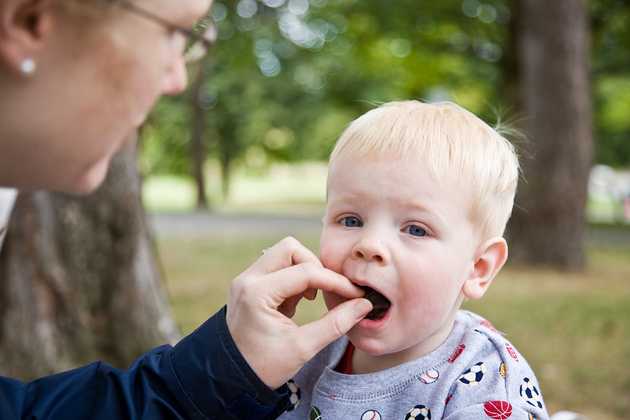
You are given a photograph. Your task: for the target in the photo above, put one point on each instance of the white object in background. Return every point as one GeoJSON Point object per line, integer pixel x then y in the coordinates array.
{"type": "Point", "coordinates": [568, 415]}
{"type": "Point", "coordinates": [7, 198]}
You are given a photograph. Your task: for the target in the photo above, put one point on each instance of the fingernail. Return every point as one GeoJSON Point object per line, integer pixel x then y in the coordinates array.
{"type": "Point", "coordinates": [363, 307]}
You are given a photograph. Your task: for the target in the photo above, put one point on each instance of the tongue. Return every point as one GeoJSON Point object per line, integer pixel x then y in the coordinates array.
{"type": "Point", "coordinates": [379, 302]}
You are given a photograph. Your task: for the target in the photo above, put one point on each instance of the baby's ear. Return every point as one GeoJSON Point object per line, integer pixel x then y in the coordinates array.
{"type": "Point", "coordinates": [489, 259]}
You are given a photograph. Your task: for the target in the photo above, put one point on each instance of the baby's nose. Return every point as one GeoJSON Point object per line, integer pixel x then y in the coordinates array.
{"type": "Point", "coordinates": [371, 249]}
{"type": "Point", "coordinates": [368, 255]}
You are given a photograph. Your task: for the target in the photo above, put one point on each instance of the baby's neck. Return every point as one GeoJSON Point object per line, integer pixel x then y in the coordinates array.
{"type": "Point", "coordinates": [365, 363]}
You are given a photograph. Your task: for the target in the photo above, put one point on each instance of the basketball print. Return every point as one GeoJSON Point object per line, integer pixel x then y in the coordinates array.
{"type": "Point", "coordinates": [499, 410]}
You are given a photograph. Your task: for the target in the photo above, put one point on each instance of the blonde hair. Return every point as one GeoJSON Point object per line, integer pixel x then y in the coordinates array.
{"type": "Point", "coordinates": [453, 143]}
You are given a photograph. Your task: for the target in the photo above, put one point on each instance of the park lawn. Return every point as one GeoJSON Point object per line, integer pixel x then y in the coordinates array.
{"type": "Point", "coordinates": [571, 327]}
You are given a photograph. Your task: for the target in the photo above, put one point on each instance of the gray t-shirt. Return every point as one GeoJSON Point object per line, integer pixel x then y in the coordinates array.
{"type": "Point", "coordinates": [475, 374]}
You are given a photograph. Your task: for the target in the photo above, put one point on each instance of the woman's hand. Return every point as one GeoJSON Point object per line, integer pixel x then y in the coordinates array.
{"type": "Point", "coordinates": [264, 298]}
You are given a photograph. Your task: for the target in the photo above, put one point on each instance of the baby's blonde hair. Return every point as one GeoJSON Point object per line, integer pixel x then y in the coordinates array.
{"type": "Point", "coordinates": [453, 143]}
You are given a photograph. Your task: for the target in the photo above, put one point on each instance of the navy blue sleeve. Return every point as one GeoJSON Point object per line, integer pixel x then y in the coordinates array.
{"type": "Point", "coordinates": [203, 377]}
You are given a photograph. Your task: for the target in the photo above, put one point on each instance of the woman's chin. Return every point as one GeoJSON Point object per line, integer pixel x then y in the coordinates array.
{"type": "Point", "coordinates": [90, 179]}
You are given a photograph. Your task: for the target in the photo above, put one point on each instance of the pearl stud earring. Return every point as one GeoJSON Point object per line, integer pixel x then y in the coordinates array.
{"type": "Point", "coordinates": [27, 66]}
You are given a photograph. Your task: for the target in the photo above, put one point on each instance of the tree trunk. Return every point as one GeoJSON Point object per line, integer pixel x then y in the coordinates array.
{"type": "Point", "coordinates": [79, 280]}
{"type": "Point", "coordinates": [198, 149]}
{"type": "Point", "coordinates": [554, 92]}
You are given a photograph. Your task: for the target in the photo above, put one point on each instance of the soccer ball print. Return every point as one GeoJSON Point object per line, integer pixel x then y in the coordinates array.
{"type": "Point", "coordinates": [371, 415]}
{"type": "Point", "coordinates": [294, 398]}
{"type": "Point", "coordinates": [419, 412]}
{"type": "Point", "coordinates": [499, 410]}
{"type": "Point", "coordinates": [315, 414]}
{"type": "Point", "coordinates": [474, 375]}
{"type": "Point", "coordinates": [530, 394]}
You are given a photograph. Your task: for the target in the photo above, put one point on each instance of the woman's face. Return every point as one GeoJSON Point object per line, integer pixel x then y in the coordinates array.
{"type": "Point", "coordinates": [95, 84]}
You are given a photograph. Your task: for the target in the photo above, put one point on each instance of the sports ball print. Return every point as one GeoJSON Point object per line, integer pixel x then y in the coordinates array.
{"type": "Point", "coordinates": [371, 415]}
{"type": "Point", "coordinates": [530, 394]}
{"type": "Point", "coordinates": [315, 414]}
{"type": "Point", "coordinates": [456, 353]}
{"type": "Point", "coordinates": [499, 410]}
{"type": "Point", "coordinates": [419, 412]}
{"type": "Point", "coordinates": [430, 376]}
{"type": "Point", "coordinates": [511, 351]}
{"type": "Point", "coordinates": [474, 375]}
{"type": "Point", "coordinates": [295, 395]}
{"type": "Point", "coordinates": [503, 370]}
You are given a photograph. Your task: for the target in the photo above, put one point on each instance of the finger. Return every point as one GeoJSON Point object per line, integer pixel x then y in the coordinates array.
{"type": "Point", "coordinates": [297, 279]}
{"type": "Point", "coordinates": [337, 322]}
{"type": "Point", "coordinates": [283, 254]}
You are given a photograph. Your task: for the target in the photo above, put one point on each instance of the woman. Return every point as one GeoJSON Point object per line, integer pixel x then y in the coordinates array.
{"type": "Point", "coordinates": [76, 77]}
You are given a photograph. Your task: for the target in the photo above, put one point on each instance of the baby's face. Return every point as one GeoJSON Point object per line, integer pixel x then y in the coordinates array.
{"type": "Point", "coordinates": [391, 227]}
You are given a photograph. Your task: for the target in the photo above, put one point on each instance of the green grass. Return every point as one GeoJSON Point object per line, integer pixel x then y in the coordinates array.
{"type": "Point", "coordinates": [571, 327]}
{"type": "Point", "coordinates": [281, 188]}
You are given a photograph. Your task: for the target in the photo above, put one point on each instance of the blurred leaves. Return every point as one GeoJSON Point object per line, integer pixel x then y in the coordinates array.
{"type": "Point", "coordinates": [288, 75]}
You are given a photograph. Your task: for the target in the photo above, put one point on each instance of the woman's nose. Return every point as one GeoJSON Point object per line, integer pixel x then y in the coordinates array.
{"type": "Point", "coordinates": [176, 78]}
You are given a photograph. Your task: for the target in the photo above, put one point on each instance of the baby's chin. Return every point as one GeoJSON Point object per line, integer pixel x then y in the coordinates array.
{"type": "Point", "coordinates": [369, 345]}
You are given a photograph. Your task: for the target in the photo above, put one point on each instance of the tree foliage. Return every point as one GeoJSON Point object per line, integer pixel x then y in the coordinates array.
{"type": "Point", "coordinates": [288, 75]}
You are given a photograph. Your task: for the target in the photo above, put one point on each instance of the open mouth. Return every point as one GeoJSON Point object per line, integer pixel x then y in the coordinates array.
{"type": "Point", "coordinates": [379, 302]}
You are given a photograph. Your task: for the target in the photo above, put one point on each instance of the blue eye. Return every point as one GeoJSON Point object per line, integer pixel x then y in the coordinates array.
{"type": "Point", "coordinates": [416, 230]}
{"type": "Point", "coordinates": [351, 221]}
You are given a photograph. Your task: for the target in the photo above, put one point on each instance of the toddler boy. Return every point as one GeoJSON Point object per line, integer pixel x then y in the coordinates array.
{"type": "Point", "coordinates": [418, 196]}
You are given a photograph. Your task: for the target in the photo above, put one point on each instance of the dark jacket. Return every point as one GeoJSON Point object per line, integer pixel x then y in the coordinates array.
{"type": "Point", "coordinates": [203, 377]}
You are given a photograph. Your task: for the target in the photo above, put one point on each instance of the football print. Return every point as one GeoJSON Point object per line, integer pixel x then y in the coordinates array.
{"type": "Point", "coordinates": [503, 370]}
{"type": "Point", "coordinates": [419, 412]}
{"type": "Point", "coordinates": [530, 394]}
{"type": "Point", "coordinates": [499, 410]}
{"type": "Point", "coordinates": [474, 375]}
{"type": "Point", "coordinates": [371, 415]}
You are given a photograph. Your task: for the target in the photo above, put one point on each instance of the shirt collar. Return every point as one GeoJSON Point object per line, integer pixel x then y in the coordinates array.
{"type": "Point", "coordinates": [7, 198]}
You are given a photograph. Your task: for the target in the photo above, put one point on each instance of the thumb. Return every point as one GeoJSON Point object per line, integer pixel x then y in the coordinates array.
{"type": "Point", "coordinates": [337, 322]}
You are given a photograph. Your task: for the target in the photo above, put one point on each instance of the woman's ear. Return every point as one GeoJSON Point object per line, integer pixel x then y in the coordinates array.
{"type": "Point", "coordinates": [491, 256]}
{"type": "Point", "coordinates": [24, 25]}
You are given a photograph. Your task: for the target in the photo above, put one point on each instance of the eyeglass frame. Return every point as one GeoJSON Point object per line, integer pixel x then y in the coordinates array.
{"type": "Point", "coordinates": [195, 39]}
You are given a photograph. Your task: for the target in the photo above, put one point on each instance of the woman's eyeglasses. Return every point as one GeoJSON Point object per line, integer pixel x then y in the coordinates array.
{"type": "Point", "coordinates": [199, 39]}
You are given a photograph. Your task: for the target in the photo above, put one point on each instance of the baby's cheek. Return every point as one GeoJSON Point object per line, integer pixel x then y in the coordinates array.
{"type": "Point", "coordinates": [327, 257]}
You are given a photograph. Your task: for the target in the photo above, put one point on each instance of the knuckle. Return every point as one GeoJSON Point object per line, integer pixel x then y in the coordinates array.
{"type": "Point", "coordinates": [290, 242]}
{"type": "Point", "coordinates": [337, 327]}
{"type": "Point", "coordinates": [309, 270]}
{"type": "Point", "coordinates": [242, 286]}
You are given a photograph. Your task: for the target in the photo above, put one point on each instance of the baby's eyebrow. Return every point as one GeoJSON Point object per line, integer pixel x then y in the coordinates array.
{"type": "Point", "coordinates": [415, 205]}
